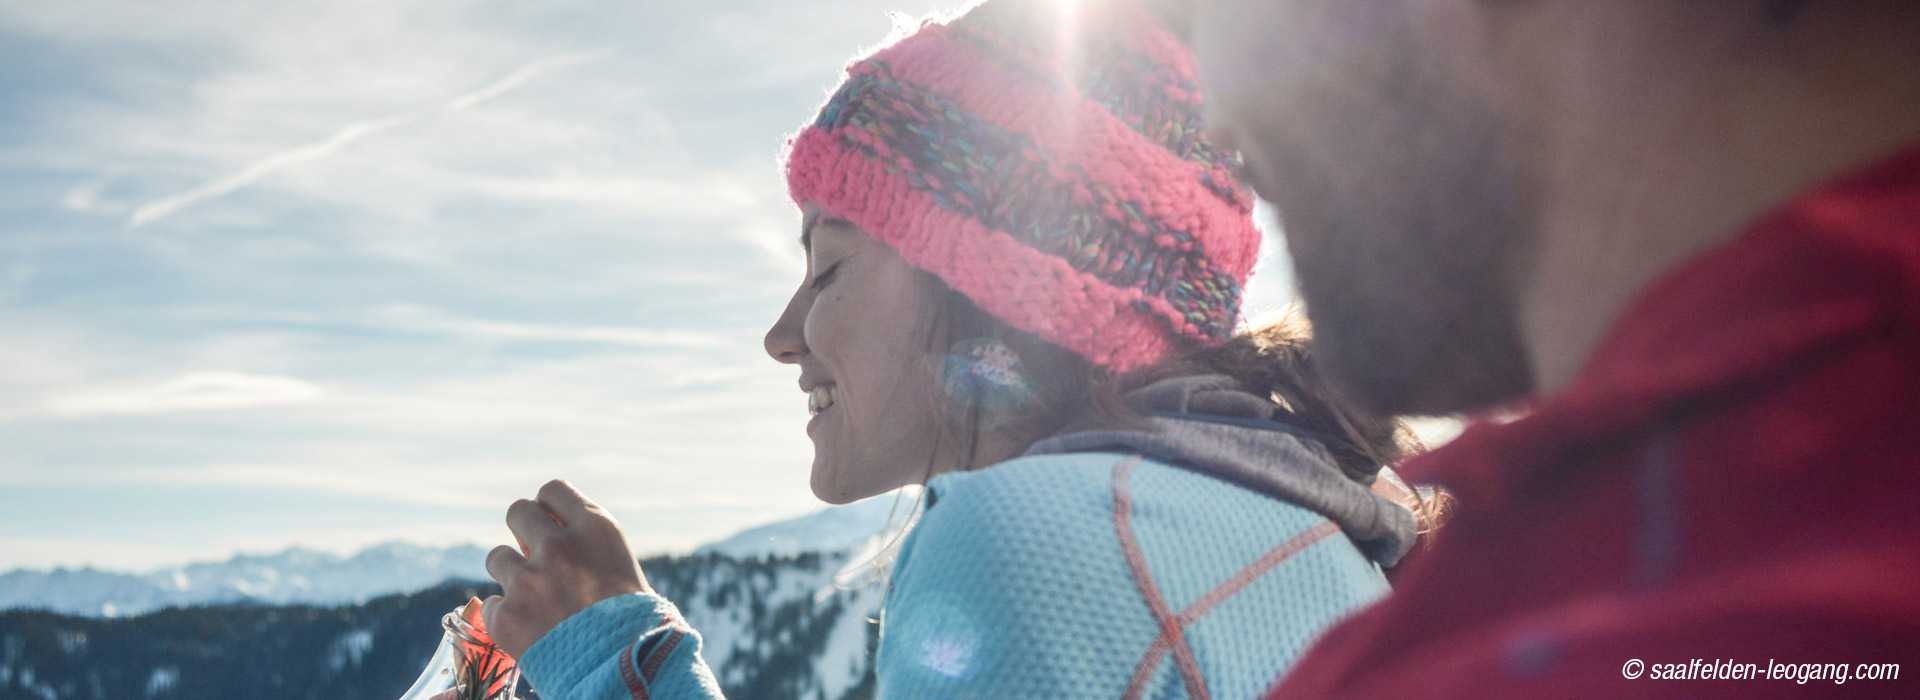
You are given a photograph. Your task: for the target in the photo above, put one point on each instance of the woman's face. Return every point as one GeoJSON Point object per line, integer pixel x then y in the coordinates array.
{"type": "Point", "coordinates": [857, 329]}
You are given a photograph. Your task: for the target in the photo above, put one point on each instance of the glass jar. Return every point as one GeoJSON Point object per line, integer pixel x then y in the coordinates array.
{"type": "Point", "coordinates": [467, 665]}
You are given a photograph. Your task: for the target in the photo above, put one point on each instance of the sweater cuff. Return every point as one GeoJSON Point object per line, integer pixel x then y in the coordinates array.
{"type": "Point", "coordinates": [581, 645]}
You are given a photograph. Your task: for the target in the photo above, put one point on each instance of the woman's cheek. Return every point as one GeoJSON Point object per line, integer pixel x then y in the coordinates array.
{"type": "Point", "coordinates": [819, 330]}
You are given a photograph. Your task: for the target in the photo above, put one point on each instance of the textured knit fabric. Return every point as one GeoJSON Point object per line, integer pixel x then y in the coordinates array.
{"type": "Point", "coordinates": [1208, 423]}
{"type": "Point", "coordinates": [1090, 575]}
{"type": "Point", "coordinates": [630, 647]}
{"type": "Point", "coordinates": [1731, 476]}
{"type": "Point", "coordinates": [1062, 185]}
{"type": "Point", "coordinates": [1020, 583]}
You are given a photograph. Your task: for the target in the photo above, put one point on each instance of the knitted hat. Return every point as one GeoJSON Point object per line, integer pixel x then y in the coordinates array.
{"type": "Point", "coordinates": [1051, 168]}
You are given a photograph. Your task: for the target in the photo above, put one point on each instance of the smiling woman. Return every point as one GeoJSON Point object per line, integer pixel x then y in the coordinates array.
{"type": "Point", "coordinates": [1022, 289]}
{"type": "Point", "coordinates": [860, 330]}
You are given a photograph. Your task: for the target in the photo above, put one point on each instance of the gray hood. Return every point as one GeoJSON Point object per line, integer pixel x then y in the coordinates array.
{"type": "Point", "coordinates": [1209, 424]}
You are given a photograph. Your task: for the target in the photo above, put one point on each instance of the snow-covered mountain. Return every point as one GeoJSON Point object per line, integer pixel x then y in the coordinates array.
{"type": "Point", "coordinates": [836, 529]}
{"type": "Point", "coordinates": [770, 602]}
{"type": "Point", "coordinates": [298, 575]}
{"type": "Point", "coordinates": [294, 575]}
{"type": "Point", "coordinates": [774, 627]}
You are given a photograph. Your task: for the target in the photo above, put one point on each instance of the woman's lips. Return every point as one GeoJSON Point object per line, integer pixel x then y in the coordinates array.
{"type": "Point", "coordinates": [820, 400]}
{"type": "Point", "coordinates": [815, 420]}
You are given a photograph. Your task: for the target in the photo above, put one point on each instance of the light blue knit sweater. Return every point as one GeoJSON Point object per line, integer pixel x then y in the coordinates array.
{"type": "Point", "coordinates": [1024, 580]}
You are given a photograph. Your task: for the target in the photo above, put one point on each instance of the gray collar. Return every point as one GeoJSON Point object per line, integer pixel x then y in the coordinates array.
{"type": "Point", "coordinates": [1210, 425]}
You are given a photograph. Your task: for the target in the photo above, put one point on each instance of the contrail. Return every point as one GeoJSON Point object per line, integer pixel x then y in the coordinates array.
{"type": "Point", "coordinates": [161, 208]}
{"type": "Point", "coordinates": [516, 79]}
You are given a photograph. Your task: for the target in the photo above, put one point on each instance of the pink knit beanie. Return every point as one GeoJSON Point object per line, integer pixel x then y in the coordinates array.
{"type": "Point", "coordinates": [1051, 168]}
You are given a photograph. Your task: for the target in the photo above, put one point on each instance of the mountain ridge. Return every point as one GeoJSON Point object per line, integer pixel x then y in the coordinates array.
{"type": "Point", "coordinates": [773, 627]}
{"type": "Point", "coordinates": [303, 575]}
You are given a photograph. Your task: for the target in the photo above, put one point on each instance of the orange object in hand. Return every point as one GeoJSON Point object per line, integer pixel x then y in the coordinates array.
{"type": "Point", "coordinates": [468, 665]}
{"type": "Point", "coordinates": [487, 665]}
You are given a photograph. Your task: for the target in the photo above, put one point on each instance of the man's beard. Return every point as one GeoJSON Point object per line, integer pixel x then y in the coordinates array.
{"type": "Point", "coordinates": [1411, 271]}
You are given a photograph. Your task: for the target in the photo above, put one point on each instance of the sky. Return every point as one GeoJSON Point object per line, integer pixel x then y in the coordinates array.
{"type": "Point", "coordinates": [332, 274]}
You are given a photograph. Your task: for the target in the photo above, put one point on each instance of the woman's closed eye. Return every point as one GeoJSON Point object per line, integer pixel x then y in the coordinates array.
{"type": "Point", "coordinates": [820, 280]}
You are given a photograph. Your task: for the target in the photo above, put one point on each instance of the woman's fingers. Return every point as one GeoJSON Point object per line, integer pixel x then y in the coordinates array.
{"type": "Point", "coordinates": [504, 563]}
{"type": "Point", "coordinates": [564, 501]}
{"type": "Point", "coordinates": [573, 555]}
{"type": "Point", "coordinates": [490, 608]}
{"type": "Point", "coordinates": [531, 524]}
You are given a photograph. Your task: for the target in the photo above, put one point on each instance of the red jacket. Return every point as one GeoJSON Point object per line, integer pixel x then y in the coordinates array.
{"type": "Point", "coordinates": [1734, 475]}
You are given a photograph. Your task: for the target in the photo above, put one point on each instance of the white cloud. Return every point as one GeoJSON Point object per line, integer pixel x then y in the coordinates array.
{"type": "Point", "coordinates": [194, 391]}
{"type": "Point", "coordinates": [419, 318]}
{"type": "Point", "coordinates": [345, 136]}
{"type": "Point", "coordinates": [36, 364]}
{"type": "Point", "coordinates": [591, 245]}
{"type": "Point", "coordinates": [683, 196]}
{"type": "Point", "coordinates": [166, 206]}
{"type": "Point", "coordinates": [515, 79]}
{"type": "Point", "coordinates": [84, 198]}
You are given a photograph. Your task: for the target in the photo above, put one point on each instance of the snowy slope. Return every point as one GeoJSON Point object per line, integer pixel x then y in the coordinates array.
{"type": "Point", "coordinates": [776, 626]}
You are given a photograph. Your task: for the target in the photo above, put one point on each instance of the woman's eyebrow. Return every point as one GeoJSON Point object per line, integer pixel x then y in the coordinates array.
{"type": "Point", "coordinates": [806, 229]}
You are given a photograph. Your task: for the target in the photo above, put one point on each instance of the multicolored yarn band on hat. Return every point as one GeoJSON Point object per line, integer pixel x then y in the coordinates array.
{"type": "Point", "coordinates": [1048, 166]}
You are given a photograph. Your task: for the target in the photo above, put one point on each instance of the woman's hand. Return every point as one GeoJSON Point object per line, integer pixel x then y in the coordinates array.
{"type": "Point", "coordinates": [571, 555]}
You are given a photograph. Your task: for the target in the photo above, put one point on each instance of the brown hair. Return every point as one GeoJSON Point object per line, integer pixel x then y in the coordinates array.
{"type": "Point", "coordinates": [1068, 392]}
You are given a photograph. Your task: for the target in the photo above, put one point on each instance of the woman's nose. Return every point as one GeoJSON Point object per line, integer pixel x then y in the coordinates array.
{"type": "Point", "coordinates": [786, 342]}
